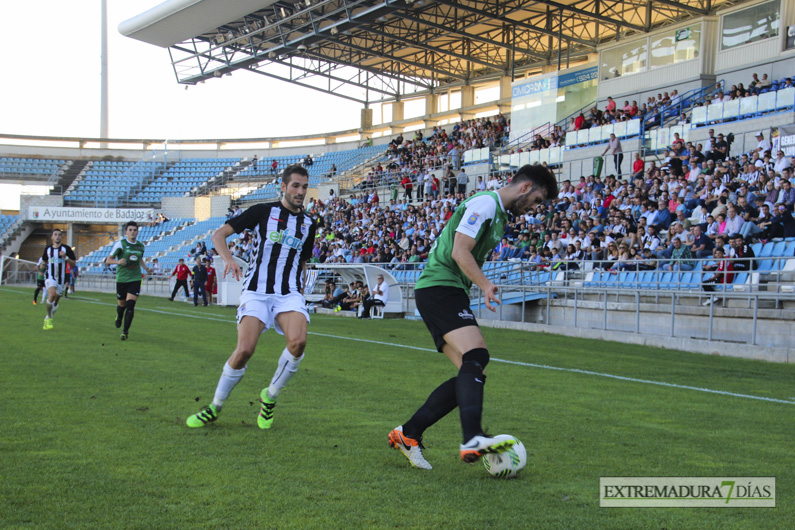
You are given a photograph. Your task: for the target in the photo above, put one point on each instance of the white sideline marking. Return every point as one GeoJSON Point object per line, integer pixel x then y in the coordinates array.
{"type": "Point", "coordinates": [517, 363]}
{"type": "Point", "coordinates": [577, 371]}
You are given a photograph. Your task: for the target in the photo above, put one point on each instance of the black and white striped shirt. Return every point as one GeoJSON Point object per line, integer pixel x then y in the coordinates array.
{"type": "Point", "coordinates": [56, 265]}
{"type": "Point", "coordinates": [281, 242]}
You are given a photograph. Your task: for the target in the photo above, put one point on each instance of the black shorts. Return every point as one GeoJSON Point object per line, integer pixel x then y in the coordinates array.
{"type": "Point", "coordinates": [40, 283]}
{"type": "Point", "coordinates": [444, 309]}
{"type": "Point", "coordinates": [123, 289]}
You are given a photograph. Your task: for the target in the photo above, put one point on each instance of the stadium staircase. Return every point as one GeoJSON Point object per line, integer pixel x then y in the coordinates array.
{"type": "Point", "coordinates": [66, 179]}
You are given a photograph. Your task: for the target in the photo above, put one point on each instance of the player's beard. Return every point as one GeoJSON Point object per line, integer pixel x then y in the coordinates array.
{"type": "Point", "coordinates": [294, 202]}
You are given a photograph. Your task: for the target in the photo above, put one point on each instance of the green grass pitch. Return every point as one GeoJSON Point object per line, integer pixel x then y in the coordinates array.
{"type": "Point", "coordinates": [93, 435]}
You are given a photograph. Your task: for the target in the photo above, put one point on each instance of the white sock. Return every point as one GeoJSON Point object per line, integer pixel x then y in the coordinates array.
{"type": "Point", "coordinates": [229, 379]}
{"type": "Point", "coordinates": [54, 309]}
{"type": "Point", "coordinates": [50, 309]}
{"type": "Point", "coordinates": [288, 365]}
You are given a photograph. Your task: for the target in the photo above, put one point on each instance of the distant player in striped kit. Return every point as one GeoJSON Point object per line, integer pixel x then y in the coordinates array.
{"type": "Point", "coordinates": [53, 262]}
{"type": "Point", "coordinates": [273, 289]}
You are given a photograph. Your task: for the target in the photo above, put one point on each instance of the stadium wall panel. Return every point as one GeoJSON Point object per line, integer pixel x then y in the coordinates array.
{"type": "Point", "coordinates": [199, 208]}
{"type": "Point", "coordinates": [727, 349]}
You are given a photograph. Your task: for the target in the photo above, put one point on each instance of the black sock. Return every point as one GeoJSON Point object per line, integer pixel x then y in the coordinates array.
{"type": "Point", "coordinates": [120, 312]}
{"type": "Point", "coordinates": [469, 392]}
{"type": "Point", "coordinates": [438, 405]}
{"type": "Point", "coordinates": [128, 317]}
{"type": "Point", "coordinates": [36, 294]}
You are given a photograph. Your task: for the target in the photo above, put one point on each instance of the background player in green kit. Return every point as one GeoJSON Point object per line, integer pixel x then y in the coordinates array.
{"type": "Point", "coordinates": [39, 283]}
{"type": "Point", "coordinates": [128, 256]}
{"type": "Point", "coordinates": [442, 296]}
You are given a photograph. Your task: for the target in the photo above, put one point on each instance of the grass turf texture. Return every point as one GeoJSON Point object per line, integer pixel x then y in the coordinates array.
{"type": "Point", "coordinates": [92, 429]}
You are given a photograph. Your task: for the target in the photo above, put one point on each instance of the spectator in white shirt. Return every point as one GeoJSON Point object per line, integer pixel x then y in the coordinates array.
{"type": "Point", "coordinates": [763, 146]}
{"type": "Point", "coordinates": [782, 162]}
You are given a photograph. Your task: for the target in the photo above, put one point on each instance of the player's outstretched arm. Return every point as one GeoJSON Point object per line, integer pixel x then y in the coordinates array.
{"type": "Point", "coordinates": [219, 240]}
{"type": "Point", "coordinates": [462, 254]}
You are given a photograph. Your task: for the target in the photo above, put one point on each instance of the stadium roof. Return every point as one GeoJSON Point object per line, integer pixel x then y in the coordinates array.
{"type": "Point", "coordinates": [370, 50]}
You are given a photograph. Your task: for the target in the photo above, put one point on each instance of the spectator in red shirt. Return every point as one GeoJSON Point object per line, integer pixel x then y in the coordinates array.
{"type": "Point", "coordinates": [611, 105]}
{"type": "Point", "coordinates": [637, 166]}
{"type": "Point", "coordinates": [579, 121]}
{"type": "Point", "coordinates": [182, 271]}
{"type": "Point", "coordinates": [724, 271]}
{"type": "Point", "coordinates": [211, 288]}
{"type": "Point", "coordinates": [407, 185]}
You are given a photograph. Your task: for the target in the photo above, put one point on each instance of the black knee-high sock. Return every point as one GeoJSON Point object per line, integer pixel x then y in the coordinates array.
{"type": "Point", "coordinates": [469, 391]}
{"type": "Point", "coordinates": [120, 312]}
{"type": "Point", "coordinates": [439, 404]}
{"type": "Point", "coordinates": [36, 294]}
{"type": "Point", "coordinates": [128, 316]}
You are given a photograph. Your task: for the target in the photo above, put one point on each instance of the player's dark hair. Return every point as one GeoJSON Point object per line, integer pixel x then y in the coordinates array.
{"type": "Point", "coordinates": [540, 176]}
{"type": "Point", "coordinates": [55, 230]}
{"type": "Point", "coordinates": [129, 224]}
{"type": "Point", "coordinates": [287, 174]}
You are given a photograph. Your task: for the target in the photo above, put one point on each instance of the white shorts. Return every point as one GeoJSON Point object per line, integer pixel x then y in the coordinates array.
{"type": "Point", "coordinates": [265, 307]}
{"type": "Point", "coordinates": [48, 283]}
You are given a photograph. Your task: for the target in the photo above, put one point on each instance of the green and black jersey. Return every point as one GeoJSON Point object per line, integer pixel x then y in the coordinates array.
{"type": "Point", "coordinates": [133, 254]}
{"type": "Point", "coordinates": [481, 217]}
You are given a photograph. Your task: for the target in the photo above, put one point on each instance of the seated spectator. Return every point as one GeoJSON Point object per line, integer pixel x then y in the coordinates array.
{"type": "Point", "coordinates": [724, 272]}
{"type": "Point", "coordinates": [379, 298]}
{"type": "Point", "coordinates": [742, 253]}
{"type": "Point", "coordinates": [681, 257]}
{"type": "Point", "coordinates": [333, 295]}
{"type": "Point", "coordinates": [702, 245]}
{"type": "Point", "coordinates": [351, 299]}
{"type": "Point", "coordinates": [782, 224]}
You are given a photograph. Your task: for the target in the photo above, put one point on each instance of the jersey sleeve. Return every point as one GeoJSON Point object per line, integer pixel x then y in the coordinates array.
{"type": "Point", "coordinates": [44, 258]}
{"type": "Point", "coordinates": [70, 253]}
{"type": "Point", "coordinates": [249, 219]}
{"type": "Point", "coordinates": [478, 211]}
{"type": "Point", "coordinates": [116, 251]}
{"type": "Point", "coordinates": [309, 244]}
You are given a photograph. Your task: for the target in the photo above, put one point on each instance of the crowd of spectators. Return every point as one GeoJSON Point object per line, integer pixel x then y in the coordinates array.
{"type": "Point", "coordinates": [700, 202]}
{"type": "Point", "coordinates": [662, 216]}
{"type": "Point", "coordinates": [415, 158]}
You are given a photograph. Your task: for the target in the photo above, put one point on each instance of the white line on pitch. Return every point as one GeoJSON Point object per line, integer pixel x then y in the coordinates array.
{"type": "Point", "coordinates": [576, 370]}
{"type": "Point", "coordinates": [517, 363]}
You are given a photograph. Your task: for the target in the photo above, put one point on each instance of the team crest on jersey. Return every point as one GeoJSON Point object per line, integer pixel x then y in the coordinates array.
{"type": "Point", "coordinates": [133, 257]}
{"type": "Point", "coordinates": [472, 219]}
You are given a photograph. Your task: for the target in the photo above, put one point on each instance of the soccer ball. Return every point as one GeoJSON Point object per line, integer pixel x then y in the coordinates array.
{"type": "Point", "coordinates": [507, 464]}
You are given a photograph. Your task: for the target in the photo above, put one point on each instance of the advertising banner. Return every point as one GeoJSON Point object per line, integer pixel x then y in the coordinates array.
{"type": "Point", "coordinates": [89, 215]}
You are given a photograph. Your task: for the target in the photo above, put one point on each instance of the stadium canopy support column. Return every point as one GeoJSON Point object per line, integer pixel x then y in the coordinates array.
{"type": "Point", "coordinates": [397, 111]}
{"type": "Point", "coordinates": [467, 101]}
{"type": "Point", "coordinates": [366, 120]}
{"type": "Point", "coordinates": [505, 94]}
{"type": "Point", "coordinates": [431, 107]}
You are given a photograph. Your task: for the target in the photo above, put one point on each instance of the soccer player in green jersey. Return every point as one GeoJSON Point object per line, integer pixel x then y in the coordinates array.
{"type": "Point", "coordinates": [442, 296]}
{"type": "Point", "coordinates": [39, 283]}
{"type": "Point", "coordinates": [128, 256]}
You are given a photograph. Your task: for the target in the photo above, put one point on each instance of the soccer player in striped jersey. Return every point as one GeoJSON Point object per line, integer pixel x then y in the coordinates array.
{"type": "Point", "coordinates": [53, 262]}
{"type": "Point", "coordinates": [272, 294]}
{"type": "Point", "coordinates": [442, 297]}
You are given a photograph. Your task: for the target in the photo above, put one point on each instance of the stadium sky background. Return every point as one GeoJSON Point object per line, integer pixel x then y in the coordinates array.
{"type": "Point", "coordinates": [51, 84]}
